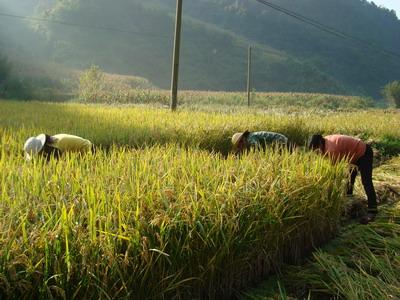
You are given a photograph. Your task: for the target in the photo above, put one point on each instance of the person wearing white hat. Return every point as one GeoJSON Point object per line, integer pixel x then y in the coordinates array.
{"type": "Point", "coordinates": [242, 141]}
{"type": "Point", "coordinates": [55, 145]}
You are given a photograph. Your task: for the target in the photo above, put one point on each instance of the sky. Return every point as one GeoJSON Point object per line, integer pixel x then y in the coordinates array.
{"type": "Point", "coordinates": [391, 4]}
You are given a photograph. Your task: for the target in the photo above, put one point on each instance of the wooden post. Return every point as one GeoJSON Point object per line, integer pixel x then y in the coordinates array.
{"type": "Point", "coordinates": [249, 77]}
{"type": "Point", "coordinates": [175, 61]}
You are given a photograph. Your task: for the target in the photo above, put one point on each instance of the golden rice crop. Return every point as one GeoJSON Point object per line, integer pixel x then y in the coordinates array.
{"type": "Point", "coordinates": [362, 263]}
{"type": "Point", "coordinates": [159, 222]}
{"type": "Point", "coordinates": [139, 126]}
{"type": "Point", "coordinates": [168, 221]}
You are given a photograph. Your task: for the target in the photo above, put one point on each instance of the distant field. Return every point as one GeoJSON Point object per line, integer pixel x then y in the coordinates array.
{"type": "Point", "coordinates": [156, 215]}
{"type": "Point", "coordinates": [267, 100]}
{"type": "Point", "coordinates": [95, 86]}
{"type": "Point", "coordinates": [117, 94]}
{"type": "Point", "coordinates": [56, 83]}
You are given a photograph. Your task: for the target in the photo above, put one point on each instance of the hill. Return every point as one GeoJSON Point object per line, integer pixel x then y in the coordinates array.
{"type": "Point", "coordinates": [362, 69]}
{"type": "Point", "coordinates": [212, 59]}
{"type": "Point", "coordinates": [288, 55]}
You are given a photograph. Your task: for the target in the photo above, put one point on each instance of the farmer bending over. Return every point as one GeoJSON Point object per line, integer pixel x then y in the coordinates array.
{"type": "Point", "coordinates": [55, 145]}
{"type": "Point", "coordinates": [359, 154]}
{"type": "Point", "coordinates": [243, 141]}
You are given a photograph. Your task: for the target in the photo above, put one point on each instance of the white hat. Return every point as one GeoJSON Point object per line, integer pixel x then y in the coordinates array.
{"type": "Point", "coordinates": [33, 145]}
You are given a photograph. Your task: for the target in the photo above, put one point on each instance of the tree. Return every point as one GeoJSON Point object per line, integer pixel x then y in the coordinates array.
{"type": "Point", "coordinates": [5, 69]}
{"type": "Point", "coordinates": [391, 92]}
{"type": "Point", "coordinates": [91, 84]}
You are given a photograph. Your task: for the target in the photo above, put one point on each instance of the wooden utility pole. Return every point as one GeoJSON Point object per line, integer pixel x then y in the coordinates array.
{"type": "Point", "coordinates": [249, 77]}
{"type": "Point", "coordinates": [175, 61]}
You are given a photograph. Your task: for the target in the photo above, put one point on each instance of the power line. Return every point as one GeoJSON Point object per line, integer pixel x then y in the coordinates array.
{"type": "Point", "coordinates": [328, 29]}
{"type": "Point", "coordinates": [103, 28]}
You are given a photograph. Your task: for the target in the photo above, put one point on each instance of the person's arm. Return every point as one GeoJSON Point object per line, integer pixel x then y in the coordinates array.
{"type": "Point", "coordinates": [50, 139]}
{"type": "Point", "coordinates": [49, 151]}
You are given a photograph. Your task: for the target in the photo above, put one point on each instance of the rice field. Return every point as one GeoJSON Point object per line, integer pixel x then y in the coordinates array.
{"type": "Point", "coordinates": [95, 86]}
{"type": "Point", "coordinates": [115, 92]}
{"type": "Point", "coordinates": [136, 127]}
{"type": "Point", "coordinates": [362, 263]}
{"type": "Point", "coordinates": [161, 210]}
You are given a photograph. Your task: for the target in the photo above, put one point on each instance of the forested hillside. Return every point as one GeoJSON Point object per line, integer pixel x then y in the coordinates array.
{"type": "Point", "coordinates": [359, 68]}
{"type": "Point", "coordinates": [288, 55]}
{"type": "Point", "coordinates": [211, 58]}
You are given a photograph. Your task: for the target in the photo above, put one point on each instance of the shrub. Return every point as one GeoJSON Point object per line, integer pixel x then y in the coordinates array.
{"type": "Point", "coordinates": [95, 86]}
{"type": "Point", "coordinates": [391, 91]}
{"type": "Point", "coordinates": [91, 84]}
{"type": "Point", "coordinates": [388, 145]}
{"type": "Point", "coordinates": [5, 69]}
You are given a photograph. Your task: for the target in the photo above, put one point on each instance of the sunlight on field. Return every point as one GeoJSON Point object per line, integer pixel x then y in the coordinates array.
{"type": "Point", "coordinates": [139, 126]}
{"type": "Point", "coordinates": [170, 219]}
{"type": "Point", "coordinates": [162, 220]}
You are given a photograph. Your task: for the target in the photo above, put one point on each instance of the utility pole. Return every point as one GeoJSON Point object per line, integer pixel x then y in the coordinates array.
{"type": "Point", "coordinates": [175, 61]}
{"type": "Point", "coordinates": [249, 76]}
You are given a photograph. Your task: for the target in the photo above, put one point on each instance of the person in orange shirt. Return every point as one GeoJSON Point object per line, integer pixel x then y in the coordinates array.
{"type": "Point", "coordinates": [337, 147]}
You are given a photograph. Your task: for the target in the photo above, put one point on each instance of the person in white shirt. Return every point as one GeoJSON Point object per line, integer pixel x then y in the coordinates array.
{"type": "Point", "coordinates": [55, 145]}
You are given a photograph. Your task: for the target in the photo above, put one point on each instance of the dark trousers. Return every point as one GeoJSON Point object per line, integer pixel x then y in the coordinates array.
{"type": "Point", "coordinates": [364, 165]}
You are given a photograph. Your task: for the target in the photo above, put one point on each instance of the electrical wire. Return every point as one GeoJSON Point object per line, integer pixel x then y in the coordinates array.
{"type": "Point", "coordinates": [103, 28]}
{"type": "Point", "coordinates": [328, 29]}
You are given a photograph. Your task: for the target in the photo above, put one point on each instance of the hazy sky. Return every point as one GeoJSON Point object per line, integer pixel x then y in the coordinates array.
{"type": "Point", "coordinates": [391, 4]}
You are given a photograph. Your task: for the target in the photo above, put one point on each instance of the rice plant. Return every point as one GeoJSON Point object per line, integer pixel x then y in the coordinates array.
{"type": "Point", "coordinates": [140, 126]}
{"type": "Point", "coordinates": [158, 222]}
{"type": "Point", "coordinates": [362, 263]}
{"type": "Point", "coordinates": [162, 210]}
